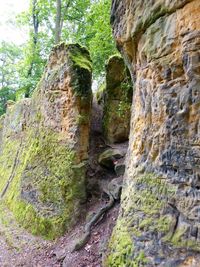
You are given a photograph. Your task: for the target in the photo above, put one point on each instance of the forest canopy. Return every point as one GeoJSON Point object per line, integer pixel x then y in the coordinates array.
{"type": "Point", "coordinates": [50, 22]}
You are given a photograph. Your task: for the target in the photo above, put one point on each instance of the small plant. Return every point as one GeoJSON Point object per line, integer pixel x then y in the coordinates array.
{"type": "Point", "coordinates": [125, 103]}
{"type": "Point", "coordinates": [82, 119]}
{"type": "Point", "coordinates": [123, 109]}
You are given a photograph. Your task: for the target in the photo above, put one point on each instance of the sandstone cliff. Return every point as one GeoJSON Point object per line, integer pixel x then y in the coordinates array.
{"type": "Point", "coordinates": [117, 102]}
{"type": "Point", "coordinates": [159, 221]}
{"type": "Point", "coordinates": [44, 142]}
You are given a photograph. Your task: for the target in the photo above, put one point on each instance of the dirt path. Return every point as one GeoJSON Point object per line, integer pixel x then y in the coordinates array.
{"type": "Point", "coordinates": [16, 244]}
{"type": "Point", "coordinates": [20, 248]}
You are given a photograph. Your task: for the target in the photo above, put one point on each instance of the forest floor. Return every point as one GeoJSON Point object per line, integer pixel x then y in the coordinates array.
{"type": "Point", "coordinates": [20, 248]}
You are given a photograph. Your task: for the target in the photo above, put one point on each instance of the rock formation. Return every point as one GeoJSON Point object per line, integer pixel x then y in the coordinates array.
{"type": "Point", "coordinates": [159, 221]}
{"type": "Point", "coordinates": [44, 142]}
{"type": "Point", "coordinates": [117, 101]}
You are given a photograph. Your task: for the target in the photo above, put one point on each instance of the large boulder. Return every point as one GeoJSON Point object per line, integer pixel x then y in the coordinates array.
{"type": "Point", "coordinates": [159, 221]}
{"type": "Point", "coordinates": [44, 144]}
{"type": "Point", "coordinates": [110, 156]}
{"type": "Point", "coordinates": [117, 101]}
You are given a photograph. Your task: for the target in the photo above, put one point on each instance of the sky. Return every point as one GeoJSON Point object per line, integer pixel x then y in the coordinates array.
{"type": "Point", "coordinates": [8, 10]}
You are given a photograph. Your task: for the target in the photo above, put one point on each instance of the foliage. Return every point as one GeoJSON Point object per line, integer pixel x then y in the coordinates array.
{"type": "Point", "coordinates": [10, 56]}
{"type": "Point", "coordinates": [126, 98]}
{"type": "Point", "coordinates": [82, 21]}
{"type": "Point", "coordinates": [5, 95]}
{"type": "Point", "coordinates": [98, 35]}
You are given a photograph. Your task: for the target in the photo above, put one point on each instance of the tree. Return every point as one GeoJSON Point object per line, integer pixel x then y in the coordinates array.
{"type": "Point", "coordinates": [10, 56]}
{"type": "Point", "coordinates": [31, 67]}
{"type": "Point", "coordinates": [98, 35]}
{"type": "Point", "coordinates": [58, 27]}
{"type": "Point", "coordinates": [51, 22]}
{"type": "Point", "coordinates": [34, 34]}
{"type": "Point", "coordinates": [87, 22]}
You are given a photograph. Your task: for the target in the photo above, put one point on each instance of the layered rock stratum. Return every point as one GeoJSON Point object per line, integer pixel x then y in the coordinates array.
{"type": "Point", "coordinates": [44, 143]}
{"type": "Point", "coordinates": [159, 221]}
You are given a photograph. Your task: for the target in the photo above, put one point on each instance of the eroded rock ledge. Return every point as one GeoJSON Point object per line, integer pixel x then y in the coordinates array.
{"type": "Point", "coordinates": [44, 142]}
{"type": "Point", "coordinates": [159, 222]}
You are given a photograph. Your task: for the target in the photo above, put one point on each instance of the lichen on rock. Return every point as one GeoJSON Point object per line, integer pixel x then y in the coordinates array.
{"type": "Point", "coordinates": [44, 146]}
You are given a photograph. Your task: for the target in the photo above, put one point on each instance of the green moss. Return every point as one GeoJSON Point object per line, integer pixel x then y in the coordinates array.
{"type": "Point", "coordinates": [78, 54]}
{"type": "Point", "coordinates": [101, 93]}
{"type": "Point", "coordinates": [140, 260]}
{"type": "Point", "coordinates": [150, 200]}
{"type": "Point", "coordinates": [145, 209]}
{"type": "Point", "coordinates": [118, 113]}
{"type": "Point", "coordinates": [82, 119]}
{"type": "Point", "coordinates": [123, 249]}
{"type": "Point", "coordinates": [81, 58]}
{"type": "Point", "coordinates": [179, 239]}
{"type": "Point", "coordinates": [82, 68]}
{"type": "Point", "coordinates": [45, 168]}
{"type": "Point", "coordinates": [115, 56]}
{"type": "Point", "coordinates": [40, 180]}
{"type": "Point", "coordinates": [141, 213]}
{"type": "Point", "coordinates": [122, 254]}
{"type": "Point", "coordinates": [124, 109]}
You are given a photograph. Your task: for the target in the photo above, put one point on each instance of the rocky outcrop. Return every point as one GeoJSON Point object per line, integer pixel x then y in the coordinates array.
{"type": "Point", "coordinates": [117, 101]}
{"type": "Point", "coordinates": [44, 144]}
{"type": "Point", "coordinates": [158, 223]}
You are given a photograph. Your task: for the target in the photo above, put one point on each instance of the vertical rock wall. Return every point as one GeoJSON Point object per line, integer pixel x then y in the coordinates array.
{"type": "Point", "coordinates": [117, 103]}
{"type": "Point", "coordinates": [44, 142]}
{"type": "Point", "coordinates": [159, 222]}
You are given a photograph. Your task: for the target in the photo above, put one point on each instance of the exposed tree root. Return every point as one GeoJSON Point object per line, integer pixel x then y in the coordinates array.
{"type": "Point", "coordinates": [88, 227]}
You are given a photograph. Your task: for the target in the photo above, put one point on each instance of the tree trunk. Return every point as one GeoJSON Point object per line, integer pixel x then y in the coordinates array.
{"type": "Point", "coordinates": [35, 40]}
{"type": "Point", "coordinates": [58, 22]}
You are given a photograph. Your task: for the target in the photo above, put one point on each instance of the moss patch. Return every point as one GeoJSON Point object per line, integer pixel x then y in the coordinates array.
{"type": "Point", "coordinates": [46, 187]}
{"type": "Point", "coordinates": [146, 217]}
{"type": "Point", "coordinates": [80, 57]}
{"type": "Point", "coordinates": [142, 213]}
{"type": "Point", "coordinates": [82, 69]}
{"type": "Point", "coordinates": [124, 248]}
{"type": "Point", "coordinates": [123, 254]}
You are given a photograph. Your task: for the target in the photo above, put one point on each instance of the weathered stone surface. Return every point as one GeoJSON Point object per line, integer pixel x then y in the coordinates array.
{"type": "Point", "coordinates": [100, 94]}
{"type": "Point", "coordinates": [44, 144]}
{"type": "Point", "coordinates": [159, 217]}
{"type": "Point", "coordinates": [120, 168]}
{"type": "Point", "coordinates": [117, 101]}
{"type": "Point", "coordinates": [108, 157]}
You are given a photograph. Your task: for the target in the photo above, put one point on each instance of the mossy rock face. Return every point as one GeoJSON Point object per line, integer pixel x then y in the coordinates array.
{"type": "Point", "coordinates": [44, 146]}
{"type": "Point", "coordinates": [160, 210]}
{"type": "Point", "coordinates": [149, 226]}
{"type": "Point", "coordinates": [117, 101]}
